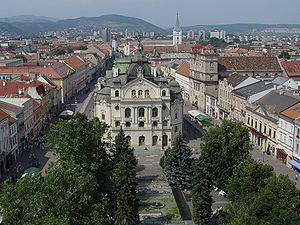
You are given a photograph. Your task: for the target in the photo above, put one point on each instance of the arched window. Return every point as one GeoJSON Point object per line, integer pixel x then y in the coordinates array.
{"type": "Point", "coordinates": [140, 93]}
{"type": "Point", "coordinates": [154, 112]}
{"type": "Point", "coordinates": [155, 124]}
{"type": "Point", "coordinates": [141, 124]}
{"type": "Point", "coordinates": [141, 112]}
{"type": "Point", "coordinates": [163, 93]}
{"type": "Point", "coordinates": [128, 124]}
{"type": "Point", "coordinates": [127, 112]}
{"type": "Point", "coordinates": [133, 93]}
{"type": "Point", "coordinates": [117, 93]}
{"type": "Point", "coordinates": [147, 94]}
{"type": "Point", "coordinates": [128, 139]}
{"type": "Point", "coordinates": [141, 140]}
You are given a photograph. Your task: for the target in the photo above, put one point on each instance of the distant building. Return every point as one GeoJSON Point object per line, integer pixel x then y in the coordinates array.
{"type": "Point", "coordinates": [177, 33]}
{"type": "Point", "coordinates": [106, 35]}
{"type": "Point", "coordinates": [201, 35]}
{"type": "Point", "coordinates": [191, 35]}
{"type": "Point", "coordinates": [221, 34]}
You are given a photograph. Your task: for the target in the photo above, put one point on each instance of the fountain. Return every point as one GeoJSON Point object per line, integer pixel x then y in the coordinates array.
{"type": "Point", "coordinates": [157, 205]}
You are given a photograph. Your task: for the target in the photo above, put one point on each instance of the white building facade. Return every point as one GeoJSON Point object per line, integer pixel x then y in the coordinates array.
{"type": "Point", "coordinates": [149, 108]}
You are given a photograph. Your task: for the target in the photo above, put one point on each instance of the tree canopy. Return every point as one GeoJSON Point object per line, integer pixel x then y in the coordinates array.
{"type": "Point", "coordinates": [285, 55]}
{"type": "Point", "coordinates": [58, 52]}
{"type": "Point", "coordinates": [125, 167]}
{"type": "Point", "coordinates": [67, 195]}
{"type": "Point", "coordinates": [178, 164]}
{"type": "Point", "coordinates": [225, 147]}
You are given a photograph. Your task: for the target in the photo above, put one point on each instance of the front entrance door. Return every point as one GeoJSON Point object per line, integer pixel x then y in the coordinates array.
{"type": "Point", "coordinates": [154, 140]}
{"type": "Point", "coordinates": [165, 140]}
{"type": "Point", "coordinates": [141, 140]}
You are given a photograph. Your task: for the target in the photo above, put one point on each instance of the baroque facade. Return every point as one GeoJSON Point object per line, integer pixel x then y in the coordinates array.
{"type": "Point", "coordinates": [149, 108]}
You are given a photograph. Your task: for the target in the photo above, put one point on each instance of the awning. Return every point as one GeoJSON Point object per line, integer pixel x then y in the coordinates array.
{"type": "Point", "coordinates": [295, 164]}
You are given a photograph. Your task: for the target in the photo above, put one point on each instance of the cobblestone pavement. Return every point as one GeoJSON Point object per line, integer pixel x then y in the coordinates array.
{"type": "Point", "coordinates": [279, 168]}
{"type": "Point", "coordinates": [24, 161]}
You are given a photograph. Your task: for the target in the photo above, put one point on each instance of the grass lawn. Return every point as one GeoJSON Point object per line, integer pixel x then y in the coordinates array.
{"type": "Point", "coordinates": [169, 210]}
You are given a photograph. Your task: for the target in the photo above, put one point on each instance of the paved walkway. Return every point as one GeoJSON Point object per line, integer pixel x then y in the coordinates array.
{"type": "Point", "coordinates": [279, 168]}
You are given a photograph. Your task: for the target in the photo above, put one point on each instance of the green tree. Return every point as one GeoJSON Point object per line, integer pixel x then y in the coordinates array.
{"type": "Point", "coordinates": [58, 52]}
{"type": "Point", "coordinates": [70, 50]}
{"type": "Point", "coordinates": [178, 164]}
{"type": "Point", "coordinates": [125, 167]}
{"type": "Point", "coordinates": [81, 48]}
{"type": "Point", "coordinates": [278, 203]}
{"type": "Point", "coordinates": [225, 147]}
{"type": "Point", "coordinates": [248, 178]}
{"type": "Point", "coordinates": [80, 141]}
{"type": "Point", "coordinates": [21, 57]}
{"type": "Point", "coordinates": [67, 195]}
{"type": "Point", "coordinates": [201, 197]}
{"type": "Point", "coordinates": [285, 55]}
{"type": "Point", "coordinates": [216, 42]}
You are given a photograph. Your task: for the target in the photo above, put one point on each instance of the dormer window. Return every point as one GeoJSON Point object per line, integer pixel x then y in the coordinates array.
{"type": "Point", "coordinates": [140, 94]}
{"type": "Point", "coordinates": [133, 93]}
{"type": "Point", "coordinates": [163, 93]}
{"type": "Point", "coordinates": [117, 93]}
{"type": "Point", "coordinates": [147, 94]}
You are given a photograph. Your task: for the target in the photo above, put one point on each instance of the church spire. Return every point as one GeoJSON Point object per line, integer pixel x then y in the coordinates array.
{"type": "Point", "coordinates": [177, 27]}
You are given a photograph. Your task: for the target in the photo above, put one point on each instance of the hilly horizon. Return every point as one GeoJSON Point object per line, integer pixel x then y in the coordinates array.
{"type": "Point", "coordinates": [29, 24]}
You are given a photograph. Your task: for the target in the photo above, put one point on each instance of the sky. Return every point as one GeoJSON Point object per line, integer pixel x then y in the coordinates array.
{"type": "Point", "coordinates": [163, 12]}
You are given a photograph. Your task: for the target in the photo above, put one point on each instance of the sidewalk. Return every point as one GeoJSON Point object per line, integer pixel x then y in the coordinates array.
{"type": "Point", "coordinates": [279, 168]}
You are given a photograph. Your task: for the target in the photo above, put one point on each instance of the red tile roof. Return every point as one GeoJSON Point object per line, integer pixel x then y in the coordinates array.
{"type": "Point", "coordinates": [248, 63]}
{"type": "Point", "coordinates": [55, 71]}
{"type": "Point", "coordinates": [292, 68]}
{"type": "Point", "coordinates": [12, 120]}
{"type": "Point", "coordinates": [184, 69]}
{"type": "Point", "coordinates": [74, 62]}
{"type": "Point", "coordinates": [3, 115]}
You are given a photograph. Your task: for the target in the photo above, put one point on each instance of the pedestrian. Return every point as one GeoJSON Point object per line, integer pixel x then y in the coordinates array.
{"type": "Point", "coordinates": [296, 177]}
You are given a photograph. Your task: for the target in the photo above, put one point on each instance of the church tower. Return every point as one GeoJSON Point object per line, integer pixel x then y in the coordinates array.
{"type": "Point", "coordinates": [177, 33]}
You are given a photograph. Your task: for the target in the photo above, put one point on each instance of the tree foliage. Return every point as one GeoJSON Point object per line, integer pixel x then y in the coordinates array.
{"type": "Point", "coordinates": [178, 164]}
{"type": "Point", "coordinates": [201, 197]}
{"type": "Point", "coordinates": [248, 178]}
{"type": "Point", "coordinates": [80, 141]}
{"type": "Point", "coordinates": [277, 203]}
{"type": "Point", "coordinates": [81, 48]}
{"type": "Point", "coordinates": [125, 167]}
{"type": "Point", "coordinates": [67, 195]}
{"type": "Point", "coordinates": [58, 52]}
{"type": "Point", "coordinates": [216, 42]}
{"type": "Point", "coordinates": [225, 147]}
{"type": "Point", "coordinates": [73, 191]}
{"type": "Point", "coordinates": [285, 55]}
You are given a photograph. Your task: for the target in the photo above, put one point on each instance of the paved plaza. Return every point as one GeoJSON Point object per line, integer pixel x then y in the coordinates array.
{"type": "Point", "coordinates": [279, 168]}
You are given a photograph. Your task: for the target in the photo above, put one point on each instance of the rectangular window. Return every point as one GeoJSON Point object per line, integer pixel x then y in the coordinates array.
{"type": "Point", "coordinates": [297, 148]}
{"type": "Point", "coordinates": [270, 132]}
{"type": "Point", "coordinates": [265, 129]}
{"type": "Point", "coordinates": [255, 124]}
{"type": "Point", "coordinates": [274, 134]}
